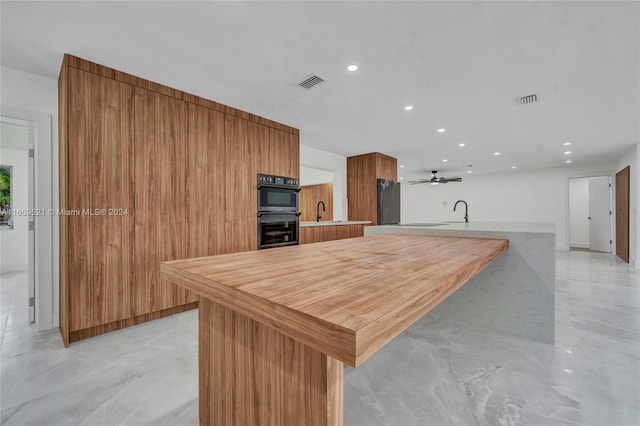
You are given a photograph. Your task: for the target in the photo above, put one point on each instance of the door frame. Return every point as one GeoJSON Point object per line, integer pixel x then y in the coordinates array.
{"type": "Point", "coordinates": [567, 228]}
{"type": "Point", "coordinates": [45, 184]}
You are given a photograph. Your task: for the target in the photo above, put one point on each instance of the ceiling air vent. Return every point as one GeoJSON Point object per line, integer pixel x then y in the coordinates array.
{"type": "Point", "coordinates": [312, 80]}
{"type": "Point", "coordinates": [529, 99]}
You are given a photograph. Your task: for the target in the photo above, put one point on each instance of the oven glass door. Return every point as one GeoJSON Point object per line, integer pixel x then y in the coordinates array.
{"type": "Point", "coordinates": [275, 230]}
{"type": "Point", "coordinates": [277, 199]}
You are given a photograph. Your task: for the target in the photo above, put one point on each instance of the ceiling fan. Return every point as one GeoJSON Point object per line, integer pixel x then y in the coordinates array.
{"type": "Point", "coordinates": [436, 180]}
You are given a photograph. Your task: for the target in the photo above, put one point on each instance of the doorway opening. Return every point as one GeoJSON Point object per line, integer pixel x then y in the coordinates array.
{"type": "Point", "coordinates": [590, 214]}
{"type": "Point", "coordinates": [17, 225]}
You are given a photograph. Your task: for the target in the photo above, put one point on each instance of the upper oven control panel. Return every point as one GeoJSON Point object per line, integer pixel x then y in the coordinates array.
{"type": "Point", "coordinates": [279, 181]}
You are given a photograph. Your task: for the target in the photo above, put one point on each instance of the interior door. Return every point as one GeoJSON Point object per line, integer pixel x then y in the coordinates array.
{"type": "Point", "coordinates": [622, 214]}
{"type": "Point", "coordinates": [599, 214]}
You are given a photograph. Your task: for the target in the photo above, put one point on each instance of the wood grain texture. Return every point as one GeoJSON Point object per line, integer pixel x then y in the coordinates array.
{"type": "Point", "coordinates": [128, 322]}
{"type": "Point", "coordinates": [317, 234]}
{"type": "Point", "coordinates": [160, 188]}
{"type": "Point", "coordinates": [205, 181]}
{"type": "Point", "coordinates": [345, 298]}
{"type": "Point", "coordinates": [349, 231]}
{"type": "Point", "coordinates": [63, 202]}
{"type": "Point", "coordinates": [179, 156]}
{"type": "Point", "coordinates": [622, 214]}
{"type": "Point", "coordinates": [100, 176]}
{"type": "Point", "coordinates": [362, 174]}
{"type": "Point", "coordinates": [310, 195]}
{"type": "Point", "coordinates": [251, 374]}
{"type": "Point", "coordinates": [113, 74]}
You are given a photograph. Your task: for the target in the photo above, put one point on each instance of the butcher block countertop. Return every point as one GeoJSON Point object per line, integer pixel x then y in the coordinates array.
{"type": "Point", "coordinates": [345, 298]}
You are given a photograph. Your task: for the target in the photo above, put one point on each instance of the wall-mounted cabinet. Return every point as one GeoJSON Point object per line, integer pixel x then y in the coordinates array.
{"type": "Point", "coordinates": [363, 171]}
{"type": "Point", "coordinates": [150, 174]}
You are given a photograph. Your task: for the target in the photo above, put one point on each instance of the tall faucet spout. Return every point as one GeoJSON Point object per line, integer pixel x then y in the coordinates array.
{"type": "Point", "coordinates": [466, 209]}
{"type": "Point", "coordinates": [318, 215]}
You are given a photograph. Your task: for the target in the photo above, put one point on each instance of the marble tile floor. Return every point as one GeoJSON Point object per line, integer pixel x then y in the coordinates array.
{"type": "Point", "coordinates": [435, 373]}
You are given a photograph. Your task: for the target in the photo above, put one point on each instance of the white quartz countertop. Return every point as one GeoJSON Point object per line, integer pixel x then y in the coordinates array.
{"type": "Point", "coordinates": [535, 227]}
{"type": "Point", "coordinates": [336, 222]}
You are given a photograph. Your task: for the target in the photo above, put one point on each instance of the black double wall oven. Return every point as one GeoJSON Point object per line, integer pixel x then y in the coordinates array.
{"type": "Point", "coordinates": [278, 211]}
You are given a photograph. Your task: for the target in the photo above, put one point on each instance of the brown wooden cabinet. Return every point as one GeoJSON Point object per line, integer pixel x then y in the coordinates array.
{"type": "Point", "coordinates": [363, 171]}
{"type": "Point", "coordinates": [183, 169]}
{"type": "Point", "coordinates": [317, 234]}
{"type": "Point", "coordinates": [99, 258]}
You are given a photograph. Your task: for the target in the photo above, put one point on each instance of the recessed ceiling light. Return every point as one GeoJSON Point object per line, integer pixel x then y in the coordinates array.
{"type": "Point", "coordinates": [441, 130]}
{"type": "Point", "coordinates": [567, 152]}
{"type": "Point", "coordinates": [401, 165]}
{"type": "Point", "coordinates": [568, 161]}
{"type": "Point", "coordinates": [468, 171]}
{"type": "Point", "coordinates": [496, 153]}
{"type": "Point", "coordinates": [460, 145]}
{"type": "Point", "coordinates": [408, 108]}
{"type": "Point", "coordinates": [566, 143]}
{"type": "Point", "coordinates": [401, 178]}
{"type": "Point", "coordinates": [444, 160]}
{"type": "Point", "coordinates": [352, 68]}
{"type": "Point", "coordinates": [513, 167]}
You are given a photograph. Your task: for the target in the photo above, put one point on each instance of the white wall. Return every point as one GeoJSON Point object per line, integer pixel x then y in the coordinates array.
{"type": "Point", "coordinates": [311, 176]}
{"type": "Point", "coordinates": [318, 159]}
{"type": "Point", "coordinates": [14, 255]}
{"type": "Point", "coordinates": [519, 196]}
{"type": "Point", "coordinates": [632, 159]}
{"type": "Point", "coordinates": [579, 212]}
{"type": "Point", "coordinates": [30, 97]}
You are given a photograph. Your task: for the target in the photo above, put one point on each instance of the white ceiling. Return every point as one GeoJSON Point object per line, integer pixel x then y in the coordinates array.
{"type": "Point", "coordinates": [462, 65]}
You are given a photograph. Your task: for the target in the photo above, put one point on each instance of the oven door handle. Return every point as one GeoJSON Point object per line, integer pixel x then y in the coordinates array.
{"type": "Point", "coordinates": [260, 214]}
{"type": "Point", "coordinates": [262, 185]}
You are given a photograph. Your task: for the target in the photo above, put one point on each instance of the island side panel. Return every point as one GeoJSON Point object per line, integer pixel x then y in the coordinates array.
{"type": "Point", "coordinates": [513, 295]}
{"type": "Point", "coordinates": [251, 374]}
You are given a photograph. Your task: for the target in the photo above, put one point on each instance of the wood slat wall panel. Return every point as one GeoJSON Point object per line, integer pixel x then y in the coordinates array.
{"type": "Point", "coordinates": [310, 195]}
{"type": "Point", "coordinates": [113, 74]}
{"type": "Point", "coordinates": [100, 178]}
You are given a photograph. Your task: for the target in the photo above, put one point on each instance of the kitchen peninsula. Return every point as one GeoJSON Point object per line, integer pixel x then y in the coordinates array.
{"type": "Point", "coordinates": [515, 294]}
{"type": "Point", "coordinates": [277, 326]}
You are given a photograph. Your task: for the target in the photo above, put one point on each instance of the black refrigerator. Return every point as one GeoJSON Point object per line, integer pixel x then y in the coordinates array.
{"type": "Point", "coordinates": [388, 202]}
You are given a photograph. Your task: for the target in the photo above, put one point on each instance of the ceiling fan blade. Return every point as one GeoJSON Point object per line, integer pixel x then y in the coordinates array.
{"type": "Point", "coordinates": [415, 182]}
{"type": "Point", "coordinates": [455, 179]}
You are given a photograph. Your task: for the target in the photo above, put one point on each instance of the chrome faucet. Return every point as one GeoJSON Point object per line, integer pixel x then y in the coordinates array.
{"type": "Point", "coordinates": [318, 215]}
{"type": "Point", "coordinates": [466, 209]}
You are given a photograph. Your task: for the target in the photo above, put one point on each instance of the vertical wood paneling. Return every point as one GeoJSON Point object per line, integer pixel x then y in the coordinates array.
{"type": "Point", "coordinates": [167, 157]}
{"type": "Point", "coordinates": [362, 173]}
{"type": "Point", "coordinates": [100, 178]}
{"type": "Point", "coordinates": [310, 195]}
{"type": "Point", "coordinates": [251, 374]}
{"type": "Point", "coordinates": [205, 181]}
{"type": "Point", "coordinates": [240, 205]}
{"type": "Point", "coordinates": [160, 187]}
{"type": "Point", "coordinates": [622, 214]}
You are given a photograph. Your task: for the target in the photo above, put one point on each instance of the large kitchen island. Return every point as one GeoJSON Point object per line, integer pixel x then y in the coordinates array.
{"type": "Point", "coordinates": [277, 326]}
